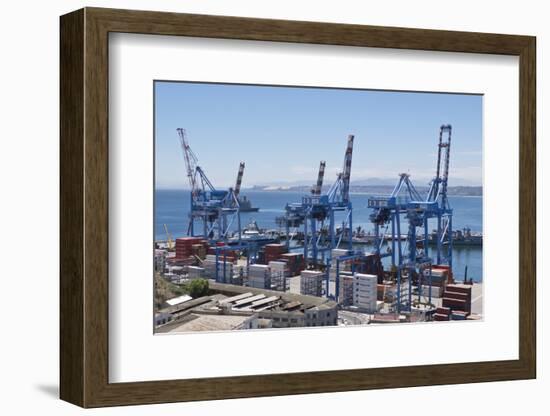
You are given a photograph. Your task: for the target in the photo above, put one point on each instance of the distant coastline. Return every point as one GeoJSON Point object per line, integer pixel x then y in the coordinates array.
{"type": "Point", "coordinates": [372, 189]}
{"type": "Point", "coordinates": [473, 191]}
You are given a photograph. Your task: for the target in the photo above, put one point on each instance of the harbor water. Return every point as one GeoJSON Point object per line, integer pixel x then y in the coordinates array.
{"type": "Point", "coordinates": [172, 208]}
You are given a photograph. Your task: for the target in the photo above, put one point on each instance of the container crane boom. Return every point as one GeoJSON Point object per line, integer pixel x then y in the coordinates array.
{"type": "Point", "coordinates": [340, 189]}
{"type": "Point", "coordinates": [194, 171]}
{"type": "Point", "coordinates": [438, 188]}
{"type": "Point", "coordinates": [190, 159]}
{"type": "Point", "coordinates": [239, 179]}
{"type": "Point", "coordinates": [346, 174]}
{"type": "Point", "coordinates": [316, 189]}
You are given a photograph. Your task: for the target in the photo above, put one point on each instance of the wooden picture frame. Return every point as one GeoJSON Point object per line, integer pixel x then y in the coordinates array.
{"type": "Point", "coordinates": [84, 207]}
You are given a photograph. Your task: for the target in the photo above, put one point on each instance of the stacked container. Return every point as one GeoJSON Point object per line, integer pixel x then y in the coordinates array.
{"type": "Point", "coordinates": [436, 291]}
{"type": "Point", "coordinates": [458, 298]}
{"type": "Point", "coordinates": [294, 261]}
{"type": "Point", "coordinates": [441, 276]}
{"type": "Point", "coordinates": [446, 268]}
{"type": "Point", "coordinates": [259, 276]}
{"type": "Point", "coordinates": [311, 282]}
{"type": "Point", "coordinates": [184, 246]}
{"type": "Point", "coordinates": [365, 291]}
{"type": "Point", "coordinates": [335, 253]}
{"type": "Point", "coordinates": [442, 314]}
{"type": "Point", "coordinates": [279, 273]}
{"type": "Point", "coordinates": [384, 290]}
{"type": "Point", "coordinates": [338, 252]}
{"type": "Point", "coordinates": [160, 260]}
{"type": "Point", "coordinates": [371, 264]}
{"type": "Point", "coordinates": [195, 272]}
{"type": "Point", "coordinates": [239, 272]}
{"type": "Point", "coordinates": [346, 289]}
{"type": "Point", "coordinates": [273, 252]}
{"type": "Point", "coordinates": [199, 250]}
{"type": "Point", "coordinates": [209, 265]}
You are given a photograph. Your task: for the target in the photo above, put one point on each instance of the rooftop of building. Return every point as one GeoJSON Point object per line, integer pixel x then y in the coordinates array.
{"type": "Point", "coordinates": [240, 303]}
{"type": "Point", "coordinates": [177, 300]}
{"type": "Point", "coordinates": [286, 298]}
{"type": "Point", "coordinates": [199, 322]}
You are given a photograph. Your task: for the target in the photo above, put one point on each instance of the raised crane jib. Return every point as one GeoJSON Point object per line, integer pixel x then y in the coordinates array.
{"type": "Point", "coordinates": [438, 188]}
{"type": "Point", "coordinates": [198, 181]}
{"type": "Point", "coordinates": [346, 172]}
{"type": "Point", "coordinates": [316, 190]}
{"type": "Point", "coordinates": [239, 179]}
{"type": "Point", "coordinates": [190, 159]}
{"type": "Point", "coordinates": [339, 191]}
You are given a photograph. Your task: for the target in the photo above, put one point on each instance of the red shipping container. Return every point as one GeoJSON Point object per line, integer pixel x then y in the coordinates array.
{"type": "Point", "coordinates": [456, 295]}
{"type": "Point", "coordinates": [440, 317]}
{"type": "Point", "coordinates": [443, 310]}
{"type": "Point", "coordinates": [460, 289]}
{"type": "Point", "coordinates": [456, 304]}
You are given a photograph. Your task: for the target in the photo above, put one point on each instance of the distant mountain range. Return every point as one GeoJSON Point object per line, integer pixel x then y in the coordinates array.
{"type": "Point", "coordinates": [374, 189]}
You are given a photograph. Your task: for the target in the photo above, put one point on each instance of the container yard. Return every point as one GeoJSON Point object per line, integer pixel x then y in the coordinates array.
{"type": "Point", "coordinates": [316, 270]}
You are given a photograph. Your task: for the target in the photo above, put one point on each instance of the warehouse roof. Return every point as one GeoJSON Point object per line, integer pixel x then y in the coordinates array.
{"type": "Point", "coordinates": [235, 298]}
{"type": "Point", "coordinates": [307, 301]}
{"type": "Point", "coordinates": [179, 300]}
{"type": "Point", "coordinates": [249, 299]}
{"type": "Point", "coordinates": [210, 323]}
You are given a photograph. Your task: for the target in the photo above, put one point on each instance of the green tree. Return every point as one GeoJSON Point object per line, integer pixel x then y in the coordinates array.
{"type": "Point", "coordinates": [197, 288]}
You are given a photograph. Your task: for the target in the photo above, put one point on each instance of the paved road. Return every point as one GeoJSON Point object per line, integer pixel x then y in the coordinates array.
{"type": "Point", "coordinates": [477, 296]}
{"type": "Point", "coordinates": [353, 318]}
{"type": "Point", "coordinates": [477, 299]}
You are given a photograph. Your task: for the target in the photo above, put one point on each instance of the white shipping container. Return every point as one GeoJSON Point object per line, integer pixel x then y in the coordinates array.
{"type": "Point", "coordinates": [258, 267]}
{"type": "Point", "coordinates": [338, 252]}
{"type": "Point", "coordinates": [365, 291]}
{"type": "Point", "coordinates": [436, 291]}
{"type": "Point", "coordinates": [312, 273]}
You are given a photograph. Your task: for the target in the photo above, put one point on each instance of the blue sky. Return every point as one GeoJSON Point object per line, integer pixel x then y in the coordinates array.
{"type": "Point", "coordinates": [282, 133]}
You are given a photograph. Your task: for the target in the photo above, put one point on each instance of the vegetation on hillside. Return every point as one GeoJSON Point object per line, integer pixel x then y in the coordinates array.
{"type": "Point", "coordinates": [197, 288]}
{"type": "Point", "coordinates": [165, 289]}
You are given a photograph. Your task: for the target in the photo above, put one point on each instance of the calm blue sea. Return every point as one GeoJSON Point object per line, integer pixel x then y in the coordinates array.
{"type": "Point", "coordinates": [172, 207]}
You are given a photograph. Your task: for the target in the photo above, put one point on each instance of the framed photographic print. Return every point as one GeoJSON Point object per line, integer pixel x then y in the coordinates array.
{"type": "Point", "coordinates": [255, 207]}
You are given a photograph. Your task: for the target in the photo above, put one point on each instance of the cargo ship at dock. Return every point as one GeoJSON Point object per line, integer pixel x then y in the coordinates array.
{"type": "Point", "coordinates": [461, 238]}
{"type": "Point", "coordinates": [252, 233]}
{"type": "Point", "coordinates": [245, 205]}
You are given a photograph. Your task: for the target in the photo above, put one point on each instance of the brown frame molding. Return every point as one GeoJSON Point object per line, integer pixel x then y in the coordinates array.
{"type": "Point", "coordinates": [84, 207]}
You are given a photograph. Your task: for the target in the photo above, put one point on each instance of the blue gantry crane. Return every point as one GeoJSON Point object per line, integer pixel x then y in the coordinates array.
{"type": "Point", "coordinates": [318, 208]}
{"type": "Point", "coordinates": [411, 261]}
{"type": "Point", "coordinates": [217, 211]}
{"type": "Point", "coordinates": [438, 194]}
